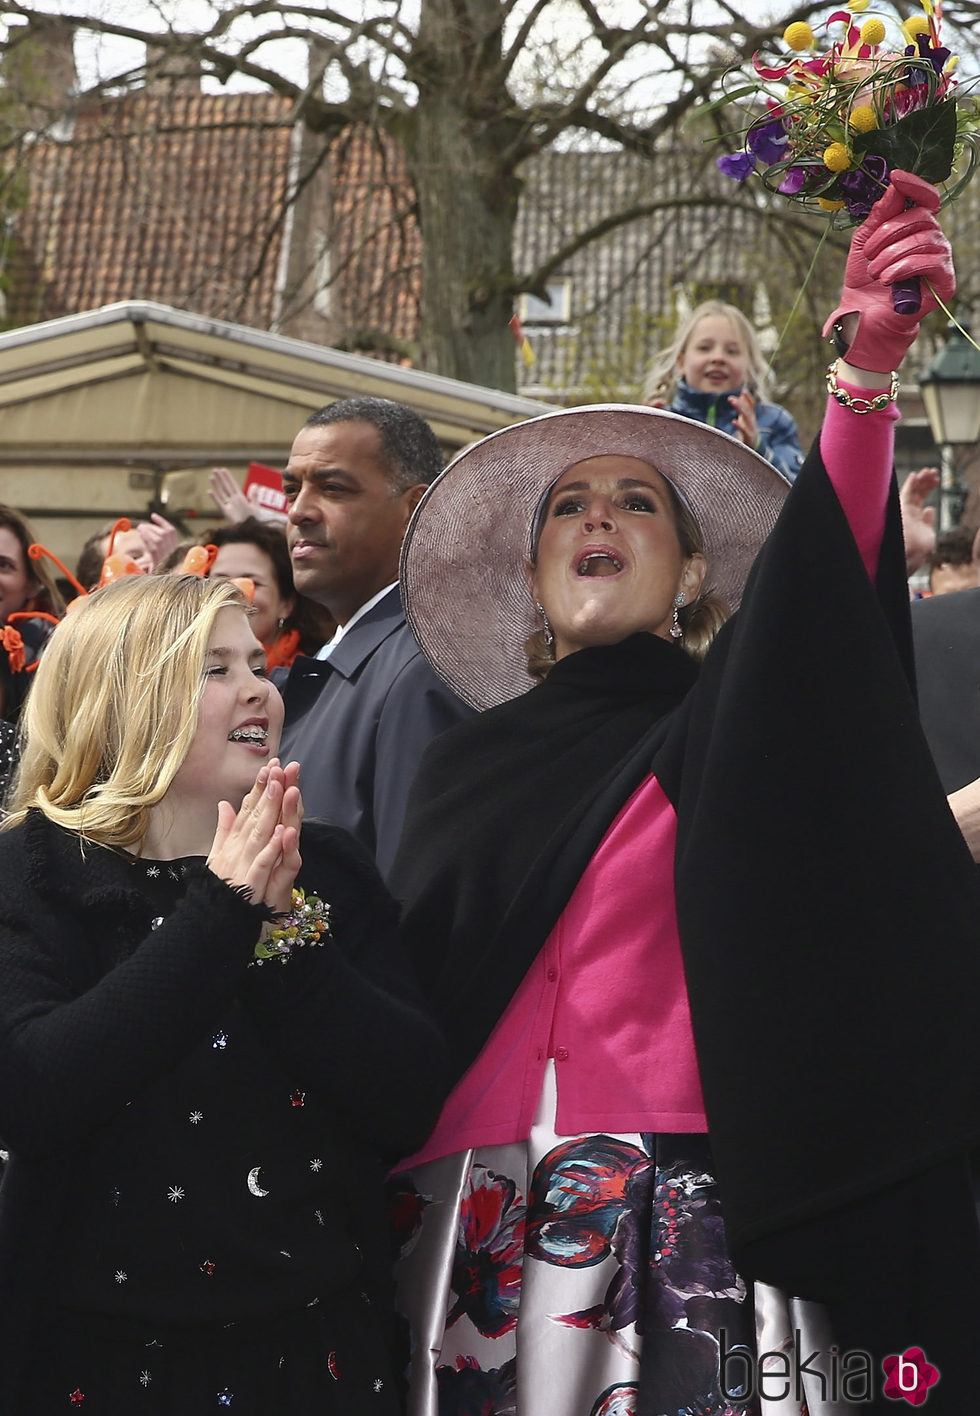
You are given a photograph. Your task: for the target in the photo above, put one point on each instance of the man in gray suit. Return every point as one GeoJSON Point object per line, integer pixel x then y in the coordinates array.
{"type": "Point", "coordinates": [360, 714]}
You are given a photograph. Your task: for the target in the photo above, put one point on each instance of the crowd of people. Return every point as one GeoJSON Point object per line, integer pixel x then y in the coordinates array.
{"type": "Point", "coordinates": [466, 950]}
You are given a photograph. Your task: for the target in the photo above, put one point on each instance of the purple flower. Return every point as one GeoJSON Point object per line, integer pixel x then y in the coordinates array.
{"type": "Point", "coordinates": [862, 186]}
{"type": "Point", "coordinates": [768, 141]}
{"type": "Point", "coordinates": [737, 164]}
{"type": "Point", "coordinates": [793, 180]}
{"type": "Point", "coordinates": [936, 57]}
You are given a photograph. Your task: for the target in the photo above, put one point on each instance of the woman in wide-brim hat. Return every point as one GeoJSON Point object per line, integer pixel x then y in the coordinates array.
{"type": "Point", "coordinates": [671, 914]}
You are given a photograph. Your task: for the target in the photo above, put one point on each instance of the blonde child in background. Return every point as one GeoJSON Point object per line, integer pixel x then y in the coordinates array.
{"type": "Point", "coordinates": [719, 377]}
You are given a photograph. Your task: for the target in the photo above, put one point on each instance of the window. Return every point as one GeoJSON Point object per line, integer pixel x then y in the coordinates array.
{"type": "Point", "coordinates": [557, 310]}
{"type": "Point", "coordinates": [322, 279]}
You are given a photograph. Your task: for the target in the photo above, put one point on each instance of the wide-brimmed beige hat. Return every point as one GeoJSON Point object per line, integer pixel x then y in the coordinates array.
{"type": "Point", "coordinates": [465, 552]}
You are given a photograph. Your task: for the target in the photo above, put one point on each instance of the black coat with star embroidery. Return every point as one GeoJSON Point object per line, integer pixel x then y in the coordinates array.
{"type": "Point", "coordinates": [192, 1140]}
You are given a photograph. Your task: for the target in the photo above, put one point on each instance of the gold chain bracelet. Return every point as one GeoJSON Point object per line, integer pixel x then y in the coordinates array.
{"type": "Point", "coordinates": [856, 403]}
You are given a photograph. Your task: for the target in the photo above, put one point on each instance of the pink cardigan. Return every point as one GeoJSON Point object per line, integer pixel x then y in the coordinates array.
{"type": "Point", "coordinates": [606, 996]}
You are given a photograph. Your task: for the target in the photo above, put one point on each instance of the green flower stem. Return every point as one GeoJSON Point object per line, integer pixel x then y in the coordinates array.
{"type": "Point", "coordinates": [796, 303]}
{"type": "Point", "coordinates": [949, 314]}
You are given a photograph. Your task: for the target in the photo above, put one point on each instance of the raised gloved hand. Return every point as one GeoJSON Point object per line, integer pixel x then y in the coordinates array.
{"type": "Point", "coordinates": [895, 242]}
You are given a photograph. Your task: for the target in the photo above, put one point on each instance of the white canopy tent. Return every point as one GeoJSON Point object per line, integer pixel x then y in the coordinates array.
{"type": "Point", "coordinates": [108, 412]}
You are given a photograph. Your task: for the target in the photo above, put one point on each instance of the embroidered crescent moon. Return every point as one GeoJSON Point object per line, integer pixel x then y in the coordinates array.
{"type": "Point", "coordinates": [253, 1182]}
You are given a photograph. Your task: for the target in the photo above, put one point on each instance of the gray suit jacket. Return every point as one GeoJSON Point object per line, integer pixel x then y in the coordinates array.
{"type": "Point", "coordinates": [359, 722]}
{"type": "Point", "coordinates": [946, 634]}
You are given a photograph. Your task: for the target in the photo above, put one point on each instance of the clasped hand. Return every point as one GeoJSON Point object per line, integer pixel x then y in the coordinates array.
{"type": "Point", "coordinates": [258, 846]}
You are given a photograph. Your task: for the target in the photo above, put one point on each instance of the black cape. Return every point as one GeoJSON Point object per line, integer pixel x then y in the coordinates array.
{"type": "Point", "coordinates": [827, 904]}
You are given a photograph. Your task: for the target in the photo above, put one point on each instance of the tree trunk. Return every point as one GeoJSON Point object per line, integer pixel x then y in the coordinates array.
{"type": "Point", "coordinates": [466, 191]}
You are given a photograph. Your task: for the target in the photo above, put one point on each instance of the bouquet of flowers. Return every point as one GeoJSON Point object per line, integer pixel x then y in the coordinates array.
{"type": "Point", "coordinates": [836, 122]}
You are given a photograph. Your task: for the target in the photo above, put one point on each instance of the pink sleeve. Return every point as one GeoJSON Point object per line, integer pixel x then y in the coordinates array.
{"type": "Point", "coordinates": [858, 451]}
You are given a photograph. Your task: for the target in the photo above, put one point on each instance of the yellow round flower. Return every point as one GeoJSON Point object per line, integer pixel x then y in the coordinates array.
{"type": "Point", "coordinates": [836, 157]}
{"type": "Point", "coordinates": [918, 24]}
{"type": "Point", "coordinates": [856, 6]}
{"type": "Point", "coordinates": [862, 118]}
{"type": "Point", "coordinates": [799, 35]}
{"type": "Point", "coordinates": [872, 31]}
{"type": "Point", "coordinates": [829, 205]}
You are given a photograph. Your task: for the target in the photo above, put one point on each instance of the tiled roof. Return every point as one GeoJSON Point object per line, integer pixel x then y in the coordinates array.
{"type": "Point", "coordinates": [178, 197]}
{"type": "Point", "coordinates": [171, 197]}
{"type": "Point", "coordinates": [376, 248]}
{"type": "Point", "coordinates": [623, 285]}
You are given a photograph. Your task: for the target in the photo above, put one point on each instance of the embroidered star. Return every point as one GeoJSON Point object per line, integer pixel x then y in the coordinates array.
{"type": "Point", "coordinates": [208, 1267]}
{"type": "Point", "coordinates": [319, 1216]}
{"type": "Point", "coordinates": [153, 871]}
{"type": "Point", "coordinates": [195, 1117]}
{"type": "Point", "coordinates": [115, 1194]}
{"type": "Point", "coordinates": [121, 1275]}
{"type": "Point", "coordinates": [316, 1165]}
{"type": "Point", "coordinates": [175, 1193]}
{"type": "Point", "coordinates": [174, 875]}
{"type": "Point", "coordinates": [145, 1379]}
{"type": "Point", "coordinates": [377, 1383]}
{"type": "Point", "coordinates": [220, 1041]}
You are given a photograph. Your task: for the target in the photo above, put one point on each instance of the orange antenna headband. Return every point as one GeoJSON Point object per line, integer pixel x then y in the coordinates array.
{"type": "Point", "coordinates": [116, 563]}
{"type": "Point", "coordinates": [200, 559]}
{"type": "Point", "coordinates": [36, 552]}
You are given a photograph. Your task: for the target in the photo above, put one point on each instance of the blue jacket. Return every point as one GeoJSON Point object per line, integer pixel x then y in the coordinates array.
{"type": "Point", "coordinates": [778, 442]}
{"type": "Point", "coordinates": [358, 723]}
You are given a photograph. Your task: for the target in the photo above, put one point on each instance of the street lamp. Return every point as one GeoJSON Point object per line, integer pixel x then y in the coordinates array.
{"type": "Point", "coordinates": [950, 388]}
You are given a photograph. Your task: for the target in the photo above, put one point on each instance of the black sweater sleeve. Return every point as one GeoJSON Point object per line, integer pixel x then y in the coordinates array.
{"type": "Point", "coordinates": [348, 1014]}
{"type": "Point", "coordinates": [70, 1059]}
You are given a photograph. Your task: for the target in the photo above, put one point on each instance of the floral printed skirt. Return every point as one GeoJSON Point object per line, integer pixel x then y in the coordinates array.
{"type": "Point", "coordinates": [585, 1276]}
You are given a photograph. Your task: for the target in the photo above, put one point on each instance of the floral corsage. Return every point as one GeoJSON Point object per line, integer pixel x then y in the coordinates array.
{"type": "Point", "coordinates": [836, 121]}
{"type": "Point", "coordinates": [307, 923]}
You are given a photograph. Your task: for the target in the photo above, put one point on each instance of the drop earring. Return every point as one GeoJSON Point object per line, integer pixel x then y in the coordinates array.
{"type": "Point", "coordinates": [675, 629]}
{"type": "Point", "coordinates": [549, 634]}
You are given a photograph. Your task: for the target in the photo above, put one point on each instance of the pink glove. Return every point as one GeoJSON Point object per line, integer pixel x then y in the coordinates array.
{"type": "Point", "coordinates": [892, 244]}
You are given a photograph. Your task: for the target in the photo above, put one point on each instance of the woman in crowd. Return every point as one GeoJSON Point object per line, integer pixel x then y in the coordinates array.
{"type": "Point", "coordinates": [715, 372]}
{"type": "Point", "coordinates": [202, 1067]}
{"type": "Point", "coordinates": [285, 623]}
{"type": "Point", "coordinates": [29, 594]}
{"type": "Point", "coordinates": [672, 915]}
{"type": "Point", "coordinates": [147, 545]}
